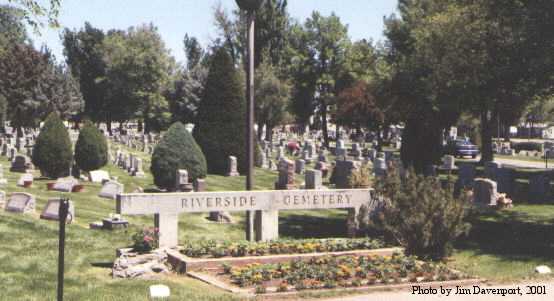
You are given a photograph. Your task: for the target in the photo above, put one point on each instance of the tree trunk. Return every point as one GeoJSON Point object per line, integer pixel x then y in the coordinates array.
{"type": "Point", "coordinates": [269, 134]}
{"type": "Point", "coordinates": [260, 131]}
{"type": "Point", "coordinates": [379, 140]}
{"type": "Point", "coordinates": [486, 138]}
{"type": "Point", "coordinates": [506, 131]}
{"type": "Point", "coordinates": [109, 126]}
{"type": "Point", "coordinates": [324, 126]}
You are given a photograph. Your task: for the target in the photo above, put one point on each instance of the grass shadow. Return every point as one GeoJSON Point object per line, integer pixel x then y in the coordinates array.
{"type": "Point", "coordinates": [313, 224]}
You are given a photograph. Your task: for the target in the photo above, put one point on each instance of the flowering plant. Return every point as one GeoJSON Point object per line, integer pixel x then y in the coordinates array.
{"type": "Point", "coordinates": [146, 240]}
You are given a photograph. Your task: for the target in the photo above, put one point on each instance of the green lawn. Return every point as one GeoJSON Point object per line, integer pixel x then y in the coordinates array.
{"type": "Point", "coordinates": [505, 245]}
{"type": "Point", "coordinates": [28, 257]}
{"type": "Point", "coordinates": [508, 245]}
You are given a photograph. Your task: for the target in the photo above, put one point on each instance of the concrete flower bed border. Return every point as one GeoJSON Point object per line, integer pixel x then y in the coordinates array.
{"type": "Point", "coordinates": [184, 264]}
{"type": "Point", "coordinates": [273, 294]}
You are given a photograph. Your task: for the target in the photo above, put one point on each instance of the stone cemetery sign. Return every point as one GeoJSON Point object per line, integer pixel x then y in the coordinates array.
{"type": "Point", "coordinates": [21, 202]}
{"type": "Point", "coordinates": [167, 206]}
{"type": "Point", "coordinates": [52, 208]}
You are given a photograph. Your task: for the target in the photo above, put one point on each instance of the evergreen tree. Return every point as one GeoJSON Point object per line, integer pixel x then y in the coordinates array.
{"type": "Point", "coordinates": [52, 152]}
{"type": "Point", "coordinates": [177, 150]}
{"type": "Point", "coordinates": [91, 149]}
{"type": "Point", "coordinates": [221, 116]}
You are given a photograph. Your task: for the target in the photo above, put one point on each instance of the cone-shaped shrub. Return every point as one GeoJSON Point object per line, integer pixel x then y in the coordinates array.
{"type": "Point", "coordinates": [91, 149]}
{"type": "Point", "coordinates": [221, 119]}
{"type": "Point", "coordinates": [52, 152]}
{"type": "Point", "coordinates": [177, 150]}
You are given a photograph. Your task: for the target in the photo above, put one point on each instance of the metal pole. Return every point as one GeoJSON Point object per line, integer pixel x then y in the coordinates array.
{"type": "Point", "coordinates": [62, 214]}
{"type": "Point", "coordinates": [250, 121]}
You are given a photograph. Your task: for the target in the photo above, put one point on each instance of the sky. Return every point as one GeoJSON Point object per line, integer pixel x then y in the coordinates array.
{"type": "Point", "coordinates": [175, 18]}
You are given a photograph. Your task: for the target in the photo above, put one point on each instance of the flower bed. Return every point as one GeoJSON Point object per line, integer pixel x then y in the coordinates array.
{"type": "Point", "coordinates": [331, 272]}
{"type": "Point", "coordinates": [213, 249]}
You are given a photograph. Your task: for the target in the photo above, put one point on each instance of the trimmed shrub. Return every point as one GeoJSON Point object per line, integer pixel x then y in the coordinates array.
{"type": "Point", "coordinates": [220, 126]}
{"type": "Point", "coordinates": [52, 152]}
{"type": "Point", "coordinates": [91, 149]}
{"type": "Point", "coordinates": [177, 150]}
{"type": "Point", "coordinates": [420, 215]}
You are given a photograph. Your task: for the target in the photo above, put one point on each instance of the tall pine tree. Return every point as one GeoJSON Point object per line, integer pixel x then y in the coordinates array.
{"type": "Point", "coordinates": [221, 116]}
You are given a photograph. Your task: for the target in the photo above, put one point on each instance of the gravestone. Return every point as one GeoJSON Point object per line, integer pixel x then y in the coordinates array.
{"type": "Point", "coordinates": [65, 184]}
{"type": "Point", "coordinates": [313, 179]}
{"type": "Point", "coordinates": [286, 175]}
{"type": "Point", "coordinates": [491, 169]}
{"type": "Point", "coordinates": [280, 153]}
{"type": "Point", "coordinates": [98, 176]}
{"type": "Point", "coordinates": [466, 175]}
{"type": "Point", "coordinates": [343, 170]}
{"type": "Point", "coordinates": [51, 211]}
{"type": "Point", "coordinates": [3, 181]}
{"type": "Point", "coordinates": [182, 181]}
{"type": "Point", "coordinates": [379, 167]}
{"type": "Point", "coordinates": [448, 163]}
{"type": "Point", "coordinates": [111, 189]}
{"type": "Point", "coordinates": [484, 192]}
{"type": "Point", "coordinates": [321, 157]}
{"type": "Point", "coordinates": [200, 185]}
{"type": "Point", "coordinates": [20, 164]}
{"type": "Point", "coordinates": [539, 187]}
{"type": "Point", "coordinates": [357, 152]}
{"type": "Point", "coordinates": [26, 177]}
{"type": "Point", "coordinates": [372, 154]}
{"type": "Point", "coordinates": [138, 171]}
{"type": "Point", "coordinates": [2, 199]}
{"type": "Point", "coordinates": [340, 153]}
{"type": "Point", "coordinates": [306, 157]}
{"type": "Point", "coordinates": [12, 153]}
{"type": "Point", "coordinates": [322, 166]}
{"type": "Point", "coordinates": [299, 166]}
{"type": "Point", "coordinates": [130, 164]}
{"type": "Point", "coordinates": [232, 167]}
{"type": "Point", "coordinates": [167, 206]}
{"type": "Point", "coordinates": [430, 170]}
{"type": "Point", "coordinates": [505, 179]}
{"type": "Point", "coordinates": [21, 202]}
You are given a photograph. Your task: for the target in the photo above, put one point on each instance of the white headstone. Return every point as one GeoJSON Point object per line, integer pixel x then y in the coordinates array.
{"type": "Point", "coordinates": [98, 176]}
{"type": "Point", "coordinates": [26, 177]}
{"type": "Point", "coordinates": [21, 202]}
{"type": "Point", "coordinates": [65, 184]}
{"type": "Point", "coordinates": [111, 189]}
{"type": "Point", "coordinates": [52, 208]}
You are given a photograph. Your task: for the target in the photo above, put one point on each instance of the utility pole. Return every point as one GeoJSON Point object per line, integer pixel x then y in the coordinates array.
{"type": "Point", "coordinates": [250, 6]}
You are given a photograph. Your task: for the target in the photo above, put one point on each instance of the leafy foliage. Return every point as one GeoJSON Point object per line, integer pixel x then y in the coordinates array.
{"type": "Point", "coordinates": [177, 150]}
{"type": "Point", "coordinates": [52, 152]}
{"type": "Point", "coordinates": [91, 149]}
{"type": "Point", "coordinates": [272, 98]}
{"type": "Point", "coordinates": [146, 240]}
{"type": "Point", "coordinates": [420, 215]}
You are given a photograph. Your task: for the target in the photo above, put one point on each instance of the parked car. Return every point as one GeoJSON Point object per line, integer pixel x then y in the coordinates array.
{"type": "Point", "coordinates": [461, 148]}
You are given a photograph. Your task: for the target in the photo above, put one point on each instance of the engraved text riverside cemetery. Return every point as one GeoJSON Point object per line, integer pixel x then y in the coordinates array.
{"type": "Point", "coordinates": [167, 206]}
